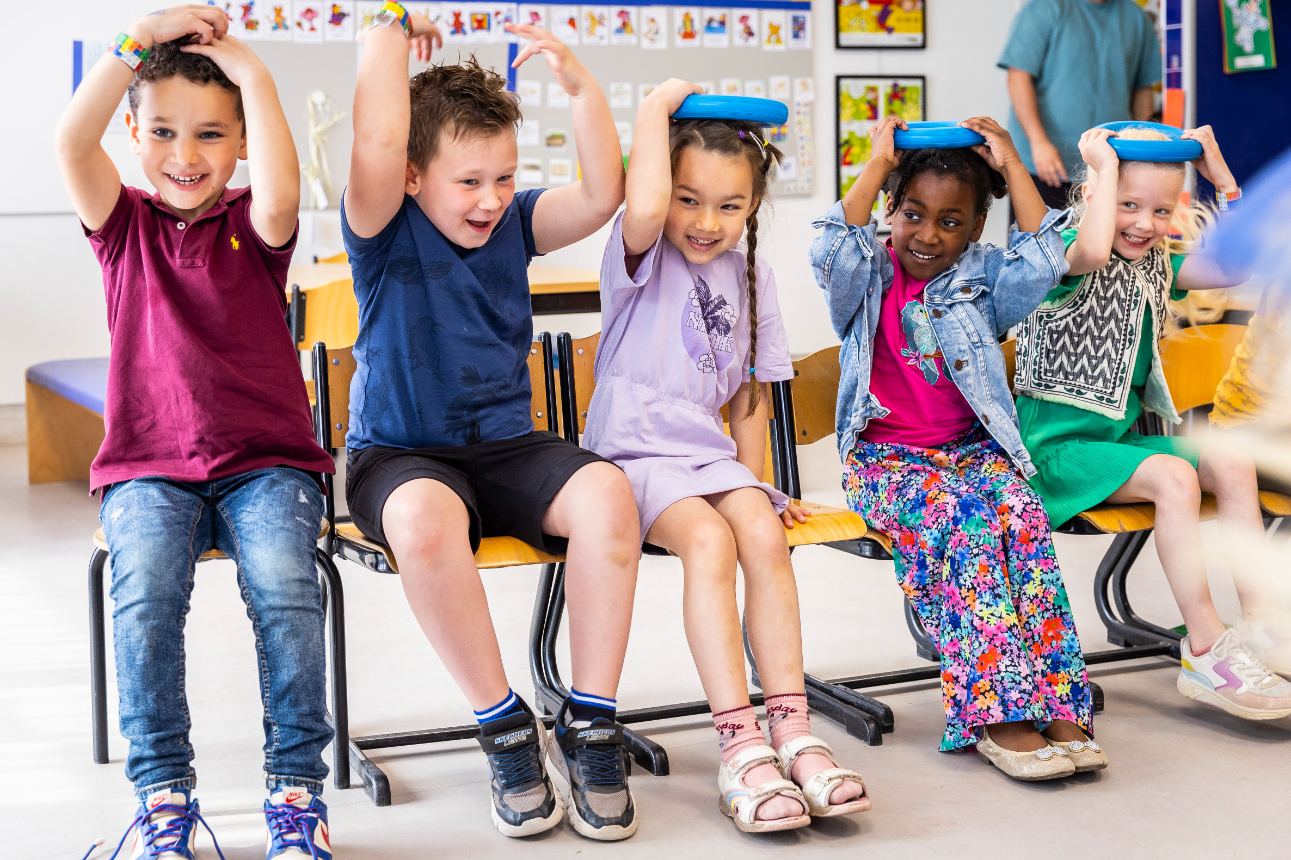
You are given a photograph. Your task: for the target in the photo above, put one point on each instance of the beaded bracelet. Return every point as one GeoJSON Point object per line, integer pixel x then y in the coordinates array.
{"type": "Point", "coordinates": [131, 52]}
{"type": "Point", "coordinates": [401, 15]}
{"type": "Point", "coordinates": [1223, 200]}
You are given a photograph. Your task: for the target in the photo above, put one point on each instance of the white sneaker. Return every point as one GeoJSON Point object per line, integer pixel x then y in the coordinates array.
{"type": "Point", "coordinates": [1269, 640]}
{"type": "Point", "coordinates": [1230, 677]}
{"type": "Point", "coordinates": [164, 828]}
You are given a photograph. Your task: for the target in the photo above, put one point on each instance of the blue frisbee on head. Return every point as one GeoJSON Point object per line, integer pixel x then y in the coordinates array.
{"type": "Point", "coordinates": [744, 108]}
{"type": "Point", "coordinates": [936, 135]}
{"type": "Point", "coordinates": [1173, 150]}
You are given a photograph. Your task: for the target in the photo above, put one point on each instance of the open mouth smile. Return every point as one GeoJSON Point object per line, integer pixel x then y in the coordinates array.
{"type": "Point", "coordinates": [1135, 241]}
{"type": "Point", "coordinates": [479, 226]}
{"type": "Point", "coordinates": [922, 257]}
{"type": "Point", "coordinates": [186, 181]}
{"type": "Point", "coordinates": [701, 245]}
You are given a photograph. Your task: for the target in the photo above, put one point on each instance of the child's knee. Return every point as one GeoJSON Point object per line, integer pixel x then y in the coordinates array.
{"type": "Point", "coordinates": [709, 545]}
{"type": "Point", "coordinates": [1177, 484]}
{"type": "Point", "coordinates": [423, 516]}
{"type": "Point", "coordinates": [605, 498]}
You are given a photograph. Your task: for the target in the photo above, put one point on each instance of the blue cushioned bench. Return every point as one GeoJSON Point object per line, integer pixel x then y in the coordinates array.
{"type": "Point", "coordinates": [64, 418]}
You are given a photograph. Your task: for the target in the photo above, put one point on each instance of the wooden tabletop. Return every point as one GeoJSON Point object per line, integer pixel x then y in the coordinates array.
{"type": "Point", "coordinates": [542, 279]}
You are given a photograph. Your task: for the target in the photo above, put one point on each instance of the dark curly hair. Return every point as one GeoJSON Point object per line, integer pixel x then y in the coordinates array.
{"type": "Point", "coordinates": [742, 140]}
{"type": "Point", "coordinates": [963, 164]}
{"type": "Point", "coordinates": [464, 100]}
{"type": "Point", "coordinates": [167, 61]}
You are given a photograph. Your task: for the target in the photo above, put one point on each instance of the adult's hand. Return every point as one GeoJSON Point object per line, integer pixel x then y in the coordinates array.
{"type": "Point", "coordinates": [1048, 163]}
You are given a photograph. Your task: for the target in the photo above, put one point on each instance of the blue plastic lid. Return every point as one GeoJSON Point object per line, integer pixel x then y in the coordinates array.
{"type": "Point", "coordinates": [746, 108]}
{"type": "Point", "coordinates": [1173, 150]}
{"type": "Point", "coordinates": [936, 135]}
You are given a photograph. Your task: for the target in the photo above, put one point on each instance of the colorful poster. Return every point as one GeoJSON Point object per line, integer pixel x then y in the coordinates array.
{"type": "Point", "coordinates": [457, 25]}
{"type": "Point", "coordinates": [744, 28]}
{"type": "Point", "coordinates": [557, 138]}
{"type": "Point", "coordinates": [596, 25]}
{"type": "Point", "coordinates": [564, 24]}
{"type": "Point", "coordinates": [716, 32]}
{"type": "Point", "coordinates": [246, 23]}
{"type": "Point", "coordinates": [504, 14]}
{"type": "Point", "coordinates": [623, 25]}
{"type": "Point", "coordinates": [308, 19]}
{"type": "Point", "coordinates": [878, 24]}
{"type": "Point", "coordinates": [364, 12]}
{"type": "Point", "coordinates": [556, 96]}
{"type": "Point", "coordinates": [654, 28]}
{"type": "Point", "coordinates": [481, 23]}
{"type": "Point", "coordinates": [755, 89]}
{"type": "Point", "coordinates": [799, 30]}
{"type": "Point", "coordinates": [1248, 36]}
{"type": "Point", "coordinates": [686, 26]}
{"type": "Point", "coordinates": [904, 98]}
{"type": "Point", "coordinates": [530, 92]}
{"type": "Point", "coordinates": [730, 87]}
{"type": "Point", "coordinates": [862, 102]}
{"type": "Point", "coordinates": [774, 37]}
{"type": "Point", "coordinates": [339, 26]}
{"type": "Point", "coordinates": [534, 16]}
{"type": "Point", "coordinates": [620, 95]}
{"type": "Point", "coordinates": [276, 22]}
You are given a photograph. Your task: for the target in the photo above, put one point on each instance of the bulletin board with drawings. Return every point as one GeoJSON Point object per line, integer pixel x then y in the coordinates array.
{"type": "Point", "coordinates": [861, 101]}
{"type": "Point", "coordinates": [763, 51]}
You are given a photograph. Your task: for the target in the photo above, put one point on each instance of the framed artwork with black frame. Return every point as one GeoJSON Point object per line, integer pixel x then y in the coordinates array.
{"type": "Point", "coordinates": [860, 101]}
{"type": "Point", "coordinates": [879, 24]}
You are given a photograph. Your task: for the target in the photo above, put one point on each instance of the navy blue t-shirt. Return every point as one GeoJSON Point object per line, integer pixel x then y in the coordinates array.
{"type": "Point", "coordinates": [444, 332]}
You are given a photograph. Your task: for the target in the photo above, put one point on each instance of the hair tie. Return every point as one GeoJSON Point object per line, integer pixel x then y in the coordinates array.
{"type": "Point", "coordinates": [752, 370]}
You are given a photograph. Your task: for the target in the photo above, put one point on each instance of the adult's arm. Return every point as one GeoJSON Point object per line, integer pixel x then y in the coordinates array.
{"type": "Point", "coordinates": [1026, 107]}
{"type": "Point", "coordinates": [1143, 104]}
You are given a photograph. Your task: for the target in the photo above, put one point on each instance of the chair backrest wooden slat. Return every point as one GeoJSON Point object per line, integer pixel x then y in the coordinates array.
{"type": "Point", "coordinates": [331, 314]}
{"type": "Point", "coordinates": [1195, 360]}
{"type": "Point", "coordinates": [538, 391]}
{"type": "Point", "coordinates": [1010, 350]}
{"type": "Point", "coordinates": [815, 391]}
{"type": "Point", "coordinates": [584, 360]}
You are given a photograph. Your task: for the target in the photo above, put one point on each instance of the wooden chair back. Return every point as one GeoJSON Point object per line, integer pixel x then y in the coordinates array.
{"type": "Point", "coordinates": [582, 361]}
{"type": "Point", "coordinates": [335, 258]}
{"type": "Point", "coordinates": [815, 394]}
{"type": "Point", "coordinates": [331, 314]}
{"type": "Point", "coordinates": [1195, 360]}
{"type": "Point", "coordinates": [1010, 350]}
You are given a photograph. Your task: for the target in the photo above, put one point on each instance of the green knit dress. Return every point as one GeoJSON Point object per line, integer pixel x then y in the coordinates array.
{"type": "Point", "coordinates": [1082, 457]}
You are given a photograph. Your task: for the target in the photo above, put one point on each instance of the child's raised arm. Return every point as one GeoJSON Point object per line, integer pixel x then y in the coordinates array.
{"type": "Point", "coordinates": [858, 204]}
{"type": "Point", "coordinates": [90, 176]}
{"type": "Point", "coordinates": [1093, 246]}
{"type": "Point", "coordinates": [564, 215]}
{"type": "Point", "coordinates": [379, 157]}
{"type": "Point", "coordinates": [270, 151]}
{"type": "Point", "coordinates": [649, 186]}
{"type": "Point", "coordinates": [1199, 271]}
{"type": "Point", "coordinates": [1002, 156]}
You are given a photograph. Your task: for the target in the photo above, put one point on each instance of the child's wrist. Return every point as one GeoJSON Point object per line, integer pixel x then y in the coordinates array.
{"type": "Point", "coordinates": [130, 50]}
{"type": "Point", "coordinates": [141, 32]}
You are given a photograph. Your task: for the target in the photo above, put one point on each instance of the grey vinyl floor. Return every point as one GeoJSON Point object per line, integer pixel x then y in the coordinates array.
{"type": "Point", "coordinates": [1185, 781]}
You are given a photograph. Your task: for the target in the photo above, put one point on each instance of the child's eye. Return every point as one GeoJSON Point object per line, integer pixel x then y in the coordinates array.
{"type": "Point", "coordinates": [1164, 212]}
{"type": "Point", "coordinates": [504, 179]}
{"type": "Point", "coordinates": [211, 135]}
{"type": "Point", "coordinates": [471, 182]}
{"type": "Point", "coordinates": [689, 201]}
{"type": "Point", "coordinates": [732, 207]}
{"type": "Point", "coordinates": [163, 133]}
{"type": "Point", "coordinates": [910, 216]}
{"type": "Point", "coordinates": [1128, 205]}
{"type": "Point", "coordinates": [949, 223]}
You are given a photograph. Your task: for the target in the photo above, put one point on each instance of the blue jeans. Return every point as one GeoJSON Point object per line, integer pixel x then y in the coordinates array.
{"type": "Point", "coordinates": [266, 521]}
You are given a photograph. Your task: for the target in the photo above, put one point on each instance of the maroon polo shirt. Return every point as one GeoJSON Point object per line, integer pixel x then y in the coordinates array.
{"type": "Point", "coordinates": [204, 381]}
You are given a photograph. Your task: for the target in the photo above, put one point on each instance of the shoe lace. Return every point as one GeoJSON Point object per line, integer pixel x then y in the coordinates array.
{"type": "Point", "coordinates": [1245, 664]}
{"type": "Point", "coordinates": [292, 826]}
{"type": "Point", "coordinates": [518, 766]}
{"type": "Point", "coordinates": [601, 767]}
{"type": "Point", "coordinates": [170, 837]}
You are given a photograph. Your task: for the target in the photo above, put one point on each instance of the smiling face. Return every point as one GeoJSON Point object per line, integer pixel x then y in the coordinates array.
{"type": "Point", "coordinates": [188, 138]}
{"type": "Point", "coordinates": [467, 186]}
{"type": "Point", "coordinates": [933, 223]}
{"type": "Point", "coordinates": [1146, 197]}
{"type": "Point", "coordinates": [712, 195]}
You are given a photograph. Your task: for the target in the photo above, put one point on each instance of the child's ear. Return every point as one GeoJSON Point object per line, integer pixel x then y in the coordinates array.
{"type": "Point", "coordinates": [978, 228]}
{"type": "Point", "coordinates": [134, 131]}
{"type": "Point", "coordinates": [411, 180]}
{"type": "Point", "coordinates": [242, 150]}
{"type": "Point", "coordinates": [1087, 191]}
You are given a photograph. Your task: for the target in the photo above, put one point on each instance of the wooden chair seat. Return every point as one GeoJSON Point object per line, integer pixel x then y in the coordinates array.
{"type": "Point", "coordinates": [101, 541]}
{"type": "Point", "coordinates": [827, 525]}
{"type": "Point", "coordinates": [1120, 519]}
{"type": "Point", "coordinates": [494, 552]}
{"type": "Point", "coordinates": [1275, 504]}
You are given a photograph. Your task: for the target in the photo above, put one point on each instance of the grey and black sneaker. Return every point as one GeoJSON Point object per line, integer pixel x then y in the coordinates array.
{"type": "Point", "coordinates": [593, 761]}
{"type": "Point", "coordinates": [524, 800]}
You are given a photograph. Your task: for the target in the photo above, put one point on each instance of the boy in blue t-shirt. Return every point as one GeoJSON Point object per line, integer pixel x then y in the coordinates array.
{"type": "Point", "coordinates": [442, 448]}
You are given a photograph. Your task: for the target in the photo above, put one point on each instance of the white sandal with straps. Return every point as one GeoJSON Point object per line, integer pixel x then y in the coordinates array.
{"type": "Point", "coordinates": [741, 802]}
{"type": "Point", "coordinates": [822, 785]}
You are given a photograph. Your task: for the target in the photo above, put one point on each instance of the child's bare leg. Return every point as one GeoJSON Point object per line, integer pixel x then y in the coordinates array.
{"type": "Point", "coordinates": [1172, 485]}
{"type": "Point", "coordinates": [428, 529]}
{"type": "Point", "coordinates": [596, 511]}
{"type": "Point", "coordinates": [1230, 475]}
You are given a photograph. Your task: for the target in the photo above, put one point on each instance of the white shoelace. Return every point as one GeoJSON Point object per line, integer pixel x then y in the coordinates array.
{"type": "Point", "coordinates": [1245, 665]}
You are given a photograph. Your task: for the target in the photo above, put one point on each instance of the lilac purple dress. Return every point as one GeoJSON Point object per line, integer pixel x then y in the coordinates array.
{"type": "Point", "coordinates": [674, 348]}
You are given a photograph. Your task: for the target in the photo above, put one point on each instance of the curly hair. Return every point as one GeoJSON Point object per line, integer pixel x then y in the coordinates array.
{"type": "Point", "coordinates": [167, 61]}
{"type": "Point", "coordinates": [463, 100]}
{"type": "Point", "coordinates": [742, 140]}
{"type": "Point", "coordinates": [963, 164]}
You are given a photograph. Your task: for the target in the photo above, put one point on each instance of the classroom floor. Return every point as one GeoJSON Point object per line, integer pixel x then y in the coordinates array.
{"type": "Point", "coordinates": [1185, 780]}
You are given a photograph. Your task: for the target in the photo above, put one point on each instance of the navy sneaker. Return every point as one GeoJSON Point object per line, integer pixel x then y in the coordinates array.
{"type": "Point", "coordinates": [297, 823]}
{"type": "Point", "coordinates": [593, 760]}
{"type": "Point", "coordinates": [164, 828]}
{"type": "Point", "coordinates": [524, 800]}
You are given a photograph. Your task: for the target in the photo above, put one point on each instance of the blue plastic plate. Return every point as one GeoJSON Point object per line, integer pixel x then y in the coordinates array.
{"type": "Point", "coordinates": [761, 111]}
{"type": "Point", "coordinates": [1174, 149]}
{"type": "Point", "coordinates": [936, 135]}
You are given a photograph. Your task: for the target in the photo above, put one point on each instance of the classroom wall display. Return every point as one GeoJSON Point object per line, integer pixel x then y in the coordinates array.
{"type": "Point", "coordinates": [879, 24]}
{"type": "Point", "coordinates": [1248, 36]}
{"type": "Point", "coordinates": [860, 103]}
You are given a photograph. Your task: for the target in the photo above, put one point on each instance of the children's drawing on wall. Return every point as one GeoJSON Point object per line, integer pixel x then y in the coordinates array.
{"type": "Point", "coordinates": [686, 26]}
{"type": "Point", "coordinates": [456, 27]}
{"type": "Point", "coordinates": [862, 102]}
{"type": "Point", "coordinates": [799, 31]}
{"type": "Point", "coordinates": [481, 22]}
{"type": "Point", "coordinates": [309, 24]}
{"type": "Point", "coordinates": [596, 25]}
{"type": "Point", "coordinates": [716, 33]}
{"type": "Point", "coordinates": [773, 30]}
{"type": "Point", "coordinates": [246, 23]}
{"type": "Point", "coordinates": [620, 95]}
{"type": "Point", "coordinates": [564, 21]}
{"type": "Point", "coordinates": [744, 28]}
{"type": "Point", "coordinates": [755, 89]}
{"type": "Point", "coordinates": [879, 24]}
{"type": "Point", "coordinates": [340, 22]}
{"type": "Point", "coordinates": [535, 16]}
{"type": "Point", "coordinates": [654, 27]}
{"type": "Point", "coordinates": [623, 25]}
{"type": "Point", "coordinates": [730, 87]}
{"type": "Point", "coordinates": [275, 23]}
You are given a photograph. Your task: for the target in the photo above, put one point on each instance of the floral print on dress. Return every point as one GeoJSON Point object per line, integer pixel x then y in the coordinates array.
{"type": "Point", "coordinates": [974, 554]}
{"type": "Point", "coordinates": [708, 327]}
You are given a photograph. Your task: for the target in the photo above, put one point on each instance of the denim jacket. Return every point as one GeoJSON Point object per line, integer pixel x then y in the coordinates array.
{"type": "Point", "coordinates": [980, 297]}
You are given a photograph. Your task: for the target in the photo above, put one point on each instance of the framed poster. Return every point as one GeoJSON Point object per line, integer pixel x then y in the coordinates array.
{"type": "Point", "coordinates": [860, 102]}
{"type": "Point", "coordinates": [1248, 35]}
{"type": "Point", "coordinates": [879, 24]}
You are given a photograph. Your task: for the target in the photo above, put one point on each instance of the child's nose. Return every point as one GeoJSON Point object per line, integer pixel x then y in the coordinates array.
{"type": "Point", "coordinates": [708, 221]}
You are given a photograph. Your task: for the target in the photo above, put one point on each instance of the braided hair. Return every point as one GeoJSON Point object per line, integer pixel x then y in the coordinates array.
{"type": "Point", "coordinates": [741, 140]}
{"type": "Point", "coordinates": [963, 164]}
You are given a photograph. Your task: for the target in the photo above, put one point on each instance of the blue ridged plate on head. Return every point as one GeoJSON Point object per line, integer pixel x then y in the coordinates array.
{"type": "Point", "coordinates": [746, 108]}
{"type": "Point", "coordinates": [1172, 150]}
{"type": "Point", "coordinates": [936, 135]}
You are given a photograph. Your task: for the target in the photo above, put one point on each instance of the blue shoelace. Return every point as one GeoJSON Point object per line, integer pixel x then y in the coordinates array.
{"type": "Point", "coordinates": [518, 767]}
{"type": "Point", "coordinates": [601, 767]}
{"type": "Point", "coordinates": [292, 826]}
{"type": "Point", "coordinates": [155, 836]}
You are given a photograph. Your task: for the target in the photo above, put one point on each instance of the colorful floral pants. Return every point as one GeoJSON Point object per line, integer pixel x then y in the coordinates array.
{"type": "Point", "coordinates": [974, 555]}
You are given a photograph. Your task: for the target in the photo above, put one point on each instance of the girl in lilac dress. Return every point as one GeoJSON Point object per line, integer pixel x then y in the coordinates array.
{"type": "Point", "coordinates": [691, 324]}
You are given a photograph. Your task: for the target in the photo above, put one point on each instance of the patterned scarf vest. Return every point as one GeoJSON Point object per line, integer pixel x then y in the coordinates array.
{"type": "Point", "coordinates": [1080, 349]}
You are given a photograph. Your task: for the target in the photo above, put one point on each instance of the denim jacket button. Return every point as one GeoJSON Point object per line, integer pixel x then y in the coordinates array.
{"type": "Point", "coordinates": [959, 364]}
{"type": "Point", "coordinates": [938, 313]}
{"type": "Point", "coordinates": [965, 290]}
{"type": "Point", "coordinates": [986, 419]}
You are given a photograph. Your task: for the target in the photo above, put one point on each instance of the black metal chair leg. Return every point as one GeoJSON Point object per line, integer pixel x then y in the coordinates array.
{"type": "Point", "coordinates": [923, 644]}
{"type": "Point", "coordinates": [1096, 700]}
{"type": "Point", "coordinates": [375, 783]}
{"type": "Point", "coordinates": [98, 658]}
{"type": "Point", "coordinates": [334, 602]}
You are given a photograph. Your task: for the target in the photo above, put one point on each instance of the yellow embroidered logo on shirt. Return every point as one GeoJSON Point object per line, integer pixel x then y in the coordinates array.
{"type": "Point", "coordinates": [234, 241]}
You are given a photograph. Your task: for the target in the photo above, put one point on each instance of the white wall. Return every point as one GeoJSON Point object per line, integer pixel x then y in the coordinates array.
{"type": "Point", "coordinates": [51, 303]}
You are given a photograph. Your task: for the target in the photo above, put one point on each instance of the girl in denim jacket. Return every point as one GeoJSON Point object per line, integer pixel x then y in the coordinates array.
{"type": "Point", "coordinates": [929, 438]}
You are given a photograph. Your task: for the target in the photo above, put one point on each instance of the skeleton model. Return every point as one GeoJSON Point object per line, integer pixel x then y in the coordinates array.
{"type": "Point", "coordinates": [321, 117]}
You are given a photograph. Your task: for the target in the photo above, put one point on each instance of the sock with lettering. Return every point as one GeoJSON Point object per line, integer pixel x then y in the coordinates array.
{"type": "Point", "coordinates": [787, 718]}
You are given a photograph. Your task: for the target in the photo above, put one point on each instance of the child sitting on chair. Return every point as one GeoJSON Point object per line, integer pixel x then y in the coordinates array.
{"type": "Point", "coordinates": [442, 448]}
{"type": "Point", "coordinates": [691, 324]}
{"type": "Point", "coordinates": [209, 439]}
{"type": "Point", "coordinates": [1078, 422]}
{"type": "Point", "coordinates": [929, 438]}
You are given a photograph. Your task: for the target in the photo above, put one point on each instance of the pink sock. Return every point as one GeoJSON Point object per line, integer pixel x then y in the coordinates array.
{"type": "Point", "coordinates": [787, 718]}
{"type": "Point", "coordinates": [737, 730]}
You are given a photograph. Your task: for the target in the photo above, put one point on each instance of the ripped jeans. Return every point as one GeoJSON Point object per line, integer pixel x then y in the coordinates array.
{"type": "Point", "coordinates": [267, 522]}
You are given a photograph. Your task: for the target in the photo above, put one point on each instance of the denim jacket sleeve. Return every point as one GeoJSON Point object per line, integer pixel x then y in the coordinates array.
{"type": "Point", "coordinates": [850, 265]}
{"type": "Point", "coordinates": [1023, 273]}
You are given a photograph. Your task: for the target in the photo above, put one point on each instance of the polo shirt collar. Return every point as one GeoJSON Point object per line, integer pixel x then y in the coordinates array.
{"type": "Point", "coordinates": [227, 196]}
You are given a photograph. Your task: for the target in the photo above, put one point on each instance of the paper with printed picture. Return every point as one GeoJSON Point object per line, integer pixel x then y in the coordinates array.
{"type": "Point", "coordinates": [556, 96]}
{"type": "Point", "coordinates": [504, 14]}
{"type": "Point", "coordinates": [624, 128]}
{"type": "Point", "coordinates": [557, 138]}
{"type": "Point", "coordinates": [276, 22]}
{"type": "Point", "coordinates": [730, 87]}
{"type": "Point", "coordinates": [340, 21]}
{"type": "Point", "coordinates": [230, 9]}
{"type": "Point", "coordinates": [530, 92]}
{"type": "Point", "coordinates": [788, 169]}
{"type": "Point", "coordinates": [773, 30]}
{"type": "Point", "coordinates": [686, 26]}
{"type": "Point", "coordinates": [560, 171]}
{"type": "Point", "coordinates": [644, 90]}
{"type": "Point", "coordinates": [530, 172]}
{"type": "Point", "coordinates": [308, 19]}
{"type": "Point", "coordinates": [564, 24]}
{"type": "Point", "coordinates": [755, 89]}
{"type": "Point", "coordinates": [481, 24]}
{"type": "Point", "coordinates": [780, 87]}
{"type": "Point", "coordinates": [246, 22]}
{"type": "Point", "coordinates": [709, 88]}
{"type": "Point", "coordinates": [623, 25]}
{"type": "Point", "coordinates": [804, 90]}
{"type": "Point", "coordinates": [364, 12]}
{"type": "Point", "coordinates": [716, 32]}
{"type": "Point", "coordinates": [744, 28]}
{"type": "Point", "coordinates": [429, 11]}
{"type": "Point", "coordinates": [799, 30]}
{"type": "Point", "coordinates": [595, 21]}
{"type": "Point", "coordinates": [534, 16]}
{"type": "Point", "coordinates": [620, 95]}
{"type": "Point", "coordinates": [653, 26]}
{"type": "Point", "coordinates": [527, 134]}
{"type": "Point", "coordinates": [456, 26]}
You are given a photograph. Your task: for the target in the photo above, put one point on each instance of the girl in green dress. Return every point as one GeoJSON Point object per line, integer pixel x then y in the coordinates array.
{"type": "Point", "coordinates": [1088, 366]}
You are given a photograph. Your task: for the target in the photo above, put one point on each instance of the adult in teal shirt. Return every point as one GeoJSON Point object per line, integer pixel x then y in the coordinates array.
{"type": "Point", "coordinates": [1074, 64]}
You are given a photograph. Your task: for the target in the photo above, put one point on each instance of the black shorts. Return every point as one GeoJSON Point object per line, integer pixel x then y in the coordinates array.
{"type": "Point", "coordinates": [506, 485]}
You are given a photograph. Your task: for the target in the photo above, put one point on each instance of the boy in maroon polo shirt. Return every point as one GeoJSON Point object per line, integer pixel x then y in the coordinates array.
{"type": "Point", "coordinates": [209, 440]}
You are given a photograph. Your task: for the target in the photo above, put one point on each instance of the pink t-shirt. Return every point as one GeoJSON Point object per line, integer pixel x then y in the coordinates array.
{"type": "Point", "coordinates": [203, 381]}
{"type": "Point", "coordinates": [927, 408]}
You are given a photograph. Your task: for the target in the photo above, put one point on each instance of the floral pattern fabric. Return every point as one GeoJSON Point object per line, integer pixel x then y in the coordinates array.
{"type": "Point", "coordinates": [974, 554]}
